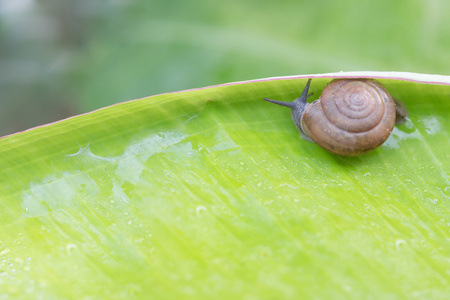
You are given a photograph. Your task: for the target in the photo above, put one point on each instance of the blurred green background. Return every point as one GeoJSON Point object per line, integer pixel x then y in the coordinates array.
{"type": "Point", "coordinates": [64, 57]}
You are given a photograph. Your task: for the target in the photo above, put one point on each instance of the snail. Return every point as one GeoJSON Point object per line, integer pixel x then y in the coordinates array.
{"type": "Point", "coordinates": [351, 116]}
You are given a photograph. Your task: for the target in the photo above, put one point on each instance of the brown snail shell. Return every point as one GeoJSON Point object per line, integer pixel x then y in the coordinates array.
{"type": "Point", "coordinates": [351, 117]}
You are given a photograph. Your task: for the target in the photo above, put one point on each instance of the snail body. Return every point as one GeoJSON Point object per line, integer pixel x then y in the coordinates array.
{"type": "Point", "coordinates": [351, 117]}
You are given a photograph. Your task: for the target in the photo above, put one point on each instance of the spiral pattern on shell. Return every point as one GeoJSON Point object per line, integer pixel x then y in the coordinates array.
{"type": "Point", "coordinates": [352, 116]}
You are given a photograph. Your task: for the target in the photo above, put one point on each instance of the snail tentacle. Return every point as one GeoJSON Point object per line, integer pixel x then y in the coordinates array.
{"type": "Point", "coordinates": [297, 107]}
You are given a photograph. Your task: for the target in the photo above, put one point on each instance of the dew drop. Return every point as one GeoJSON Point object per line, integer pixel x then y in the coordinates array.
{"type": "Point", "coordinates": [199, 209]}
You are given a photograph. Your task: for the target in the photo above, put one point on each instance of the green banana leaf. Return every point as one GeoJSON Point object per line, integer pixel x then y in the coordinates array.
{"type": "Point", "coordinates": [211, 193]}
